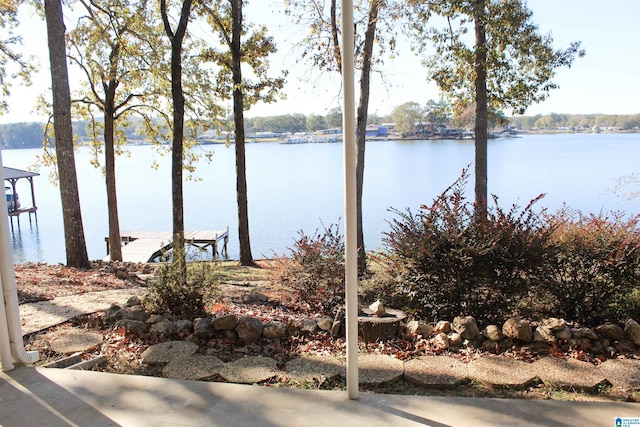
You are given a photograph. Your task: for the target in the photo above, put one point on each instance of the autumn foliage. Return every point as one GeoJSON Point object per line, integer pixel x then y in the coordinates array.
{"type": "Point", "coordinates": [521, 261]}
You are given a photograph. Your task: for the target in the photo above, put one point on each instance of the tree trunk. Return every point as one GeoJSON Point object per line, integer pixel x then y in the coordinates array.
{"type": "Point", "coordinates": [481, 191]}
{"type": "Point", "coordinates": [115, 242]}
{"type": "Point", "coordinates": [238, 118]}
{"type": "Point", "coordinates": [75, 244]}
{"type": "Point", "coordinates": [361, 125]}
{"type": "Point", "coordinates": [177, 94]}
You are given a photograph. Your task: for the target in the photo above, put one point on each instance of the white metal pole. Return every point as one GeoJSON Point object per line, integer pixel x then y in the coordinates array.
{"type": "Point", "coordinates": [351, 249]}
{"type": "Point", "coordinates": [5, 341]}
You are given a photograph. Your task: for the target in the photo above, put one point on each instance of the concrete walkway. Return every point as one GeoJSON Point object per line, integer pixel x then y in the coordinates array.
{"type": "Point", "coordinates": [55, 397]}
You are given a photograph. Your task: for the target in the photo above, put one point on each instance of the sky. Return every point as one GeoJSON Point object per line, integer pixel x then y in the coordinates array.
{"type": "Point", "coordinates": [605, 81]}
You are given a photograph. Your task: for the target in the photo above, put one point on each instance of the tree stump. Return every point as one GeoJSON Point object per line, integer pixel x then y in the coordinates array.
{"type": "Point", "coordinates": [373, 329]}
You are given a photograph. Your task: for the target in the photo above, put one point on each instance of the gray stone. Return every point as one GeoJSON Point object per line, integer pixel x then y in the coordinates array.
{"type": "Point", "coordinates": [225, 323]}
{"type": "Point", "coordinates": [203, 327]}
{"type": "Point", "coordinates": [416, 327]}
{"type": "Point", "coordinates": [167, 351]}
{"type": "Point", "coordinates": [184, 326]}
{"type": "Point", "coordinates": [588, 333]}
{"type": "Point", "coordinates": [135, 312]}
{"type": "Point", "coordinates": [625, 346]}
{"type": "Point", "coordinates": [274, 330]}
{"type": "Point", "coordinates": [518, 329]}
{"type": "Point", "coordinates": [135, 327]}
{"type": "Point", "coordinates": [544, 335]}
{"type": "Point", "coordinates": [113, 313]}
{"type": "Point", "coordinates": [493, 333]}
{"type": "Point", "coordinates": [133, 301]}
{"type": "Point", "coordinates": [325, 323]}
{"type": "Point", "coordinates": [194, 367]}
{"type": "Point", "coordinates": [597, 347]}
{"type": "Point", "coordinates": [249, 370]}
{"type": "Point", "coordinates": [466, 327]}
{"type": "Point", "coordinates": [564, 334]}
{"type": "Point", "coordinates": [308, 326]}
{"type": "Point", "coordinates": [293, 327]}
{"type": "Point", "coordinates": [455, 340]}
{"type": "Point", "coordinates": [254, 296]}
{"type": "Point", "coordinates": [554, 324]}
{"type": "Point", "coordinates": [249, 329]}
{"type": "Point", "coordinates": [612, 331]}
{"type": "Point", "coordinates": [632, 331]}
{"type": "Point", "coordinates": [164, 327]}
{"type": "Point", "coordinates": [155, 318]}
{"type": "Point", "coordinates": [378, 309]}
{"type": "Point", "coordinates": [442, 326]}
{"type": "Point", "coordinates": [585, 343]}
{"type": "Point", "coordinates": [440, 341]}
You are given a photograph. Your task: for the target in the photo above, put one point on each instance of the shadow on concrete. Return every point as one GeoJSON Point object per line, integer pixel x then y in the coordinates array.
{"type": "Point", "coordinates": [29, 398]}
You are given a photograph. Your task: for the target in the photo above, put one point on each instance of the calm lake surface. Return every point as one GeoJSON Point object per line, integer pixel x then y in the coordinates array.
{"type": "Point", "coordinates": [300, 187]}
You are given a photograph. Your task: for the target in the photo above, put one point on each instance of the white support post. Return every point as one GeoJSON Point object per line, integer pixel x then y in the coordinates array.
{"type": "Point", "coordinates": [351, 248]}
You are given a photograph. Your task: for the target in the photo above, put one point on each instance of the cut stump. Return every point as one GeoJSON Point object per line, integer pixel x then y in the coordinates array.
{"type": "Point", "coordinates": [373, 329]}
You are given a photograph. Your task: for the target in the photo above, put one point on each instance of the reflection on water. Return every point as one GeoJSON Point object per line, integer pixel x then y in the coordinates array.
{"type": "Point", "coordinates": [25, 241]}
{"type": "Point", "coordinates": [300, 186]}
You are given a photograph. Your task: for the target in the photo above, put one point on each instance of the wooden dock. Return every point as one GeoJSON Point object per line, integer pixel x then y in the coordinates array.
{"type": "Point", "coordinates": [148, 246]}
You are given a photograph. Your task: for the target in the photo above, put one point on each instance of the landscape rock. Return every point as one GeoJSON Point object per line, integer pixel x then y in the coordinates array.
{"type": "Point", "coordinates": [455, 340]}
{"type": "Point", "coordinates": [203, 327]}
{"type": "Point", "coordinates": [254, 296]}
{"type": "Point", "coordinates": [493, 333]}
{"type": "Point", "coordinates": [113, 313]}
{"type": "Point", "coordinates": [436, 371]}
{"type": "Point", "coordinates": [625, 346]}
{"type": "Point", "coordinates": [135, 327]}
{"type": "Point", "coordinates": [440, 341]}
{"type": "Point", "coordinates": [378, 309]}
{"type": "Point", "coordinates": [274, 330]}
{"type": "Point", "coordinates": [155, 318]}
{"type": "Point", "coordinates": [564, 334]}
{"type": "Point", "coordinates": [554, 324]}
{"type": "Point", "coordinates": [589, 333]}
{"type": "Point", "coordinates": [442, 326]}
{"type": "Point", "coordinates": [164, 327]}
{"type": "Point", "coordinates": [133, 301]}
{"type": "Point", "coordinates": [184, 326]}
{"type": "Point", "coordinates": [466, 327]}
{"type": "Point", "coordinates": [308, 326]}
{"type": "Point", "coordinates": [632, 331]}
{"type": "Point", "coordinates": [249, 329]}
{"type": "Point", "coordinates": [544, 335]}
{"type": "Point", "coordinates": [135, 312]}
{"type": "Point", "coordinates": [518, 329]}
{"type": "Point", "coordinates": [611, 330]}
{"type": "Point", "coordinates": [417, 327]}
{"type": "Point", "coordinates": [325, 323]}
{"type": "Point", "coordinates": [225, 323]}
{"type": "Point", "coordinates": [293, 327]}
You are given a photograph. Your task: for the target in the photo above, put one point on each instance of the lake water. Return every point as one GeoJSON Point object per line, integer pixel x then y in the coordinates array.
{"type": "Point", "coordinates": [300, 187]}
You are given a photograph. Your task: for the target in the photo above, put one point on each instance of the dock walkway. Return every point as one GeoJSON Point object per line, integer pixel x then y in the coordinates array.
{"type": "Point", "coordinates": [148, 246]}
